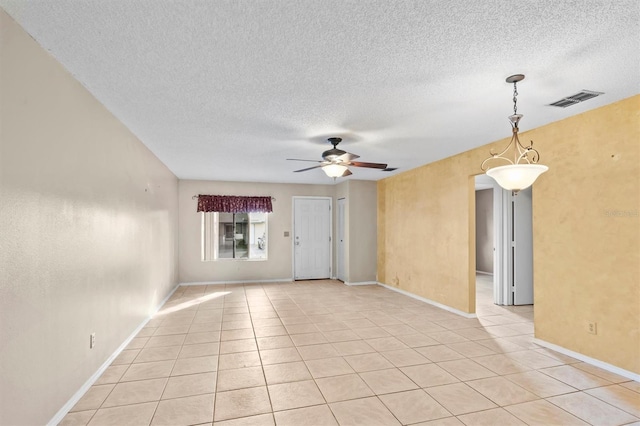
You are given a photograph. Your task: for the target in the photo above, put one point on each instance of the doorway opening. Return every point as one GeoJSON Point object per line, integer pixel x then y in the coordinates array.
{"type": "Point", "coordinates": [485, 245]}
{"type": "Point", "coordinates": [341, 272]}
{"type": "Point", "coordinates": [504, 245]}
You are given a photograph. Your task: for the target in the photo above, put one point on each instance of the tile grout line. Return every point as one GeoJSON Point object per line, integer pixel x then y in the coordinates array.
{"type": "Point", "coordinates": [264, 376]}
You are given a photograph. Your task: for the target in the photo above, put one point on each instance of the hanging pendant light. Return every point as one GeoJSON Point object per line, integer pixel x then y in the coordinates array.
{"type": "Point", "coordinates": [523, 170]}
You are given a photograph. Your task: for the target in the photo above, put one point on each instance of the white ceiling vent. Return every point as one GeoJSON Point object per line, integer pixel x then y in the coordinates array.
{"type": "Point", "coordinates": [574, 99]}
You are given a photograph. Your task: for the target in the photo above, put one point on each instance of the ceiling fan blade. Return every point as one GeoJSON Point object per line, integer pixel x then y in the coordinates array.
{"type": "Point", "coordinates": [308, 168]}
{"type": "Point", "coordinates": [299, 159]}
{"type": "Point", "coordinates": [347, 156]}
{"type": "Point", "coordinates": [346, 173]}
{"type": "Point", "coordinates": [368, 165]}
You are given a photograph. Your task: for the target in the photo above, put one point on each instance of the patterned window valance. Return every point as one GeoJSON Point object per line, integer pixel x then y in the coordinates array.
{"type": "Point", "coordinates": [234, 204]}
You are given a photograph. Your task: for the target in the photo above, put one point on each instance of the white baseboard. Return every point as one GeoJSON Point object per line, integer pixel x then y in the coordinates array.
{"type": "Point", "coordinates": [596, 362]}
{"type": "Point", "coordinates": [57, 418]}
{"type": "Point", "coordinates": [281, 280]}
{"type": "Point", "coordinates": [431, 302]}
{"type": "Point", "coordinates": [484, 273]}
{"type": "Point", "coordinates": [360, 283]}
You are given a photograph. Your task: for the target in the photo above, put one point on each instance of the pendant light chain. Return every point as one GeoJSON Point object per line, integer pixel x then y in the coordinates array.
{"type": "Point", "coordinates": [515, 99]}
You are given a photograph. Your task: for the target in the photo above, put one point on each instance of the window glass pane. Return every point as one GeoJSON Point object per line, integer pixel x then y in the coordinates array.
{"type": "Point", "coordinates": [225, 236]}
{"type": "Point", "coordinates": [258, 235]}
{"type": "Point", "coordinates": [234, 236]}
{"type": "Point", "coordinates": [241, 235]}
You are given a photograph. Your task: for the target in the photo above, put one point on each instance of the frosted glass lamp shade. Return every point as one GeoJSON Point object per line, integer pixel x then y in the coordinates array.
{"type": "Point", "coordinates": [517, 177]}
{"type": "Point", "coordinates": [334, 170]}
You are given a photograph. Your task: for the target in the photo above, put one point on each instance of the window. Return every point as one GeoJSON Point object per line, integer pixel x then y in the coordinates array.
{"type": "Point", "coordinates": [234, 236]}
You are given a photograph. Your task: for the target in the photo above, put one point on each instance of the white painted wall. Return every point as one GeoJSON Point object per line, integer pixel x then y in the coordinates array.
{"type": "Point", "coordinates": [360, 229]}
{"type": "Point", "coordinates": [363, 236]}
{"type": "Point", "coordinates": [88, 231]}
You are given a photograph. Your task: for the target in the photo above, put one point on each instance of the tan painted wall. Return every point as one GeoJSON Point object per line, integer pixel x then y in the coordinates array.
{"type": "Point", "coordinates": [424, 232]}
{"type": "Point", "coordinates": [88, 225]}
{"type": "Point", "coordinates": [586, 224]}
{"type": "Point", "coordinates": [279, 264]}
{"type": "Point", "coordinates": [586, 256]}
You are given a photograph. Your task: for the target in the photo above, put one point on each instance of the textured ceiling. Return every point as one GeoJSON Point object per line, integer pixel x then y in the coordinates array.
{"type": "Point", "coordinates": [227, 90]}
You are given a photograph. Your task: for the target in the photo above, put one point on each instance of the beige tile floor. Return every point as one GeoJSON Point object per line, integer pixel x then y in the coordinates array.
{"type": "Point", "coordinates": [321, 353]}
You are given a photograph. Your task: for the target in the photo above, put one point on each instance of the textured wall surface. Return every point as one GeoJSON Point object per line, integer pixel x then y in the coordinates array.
{"type": "Point", "coordinates": [88, 226]}
{"type": "Point", "coordinates": [586, 225]}
{"type": "Point", "coordinates": [586, 221]}
{"type": "Point", "coordinates": [424, 232]}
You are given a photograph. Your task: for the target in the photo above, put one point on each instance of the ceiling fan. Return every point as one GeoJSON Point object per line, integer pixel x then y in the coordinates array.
{"type": "Point", "coordinates": [335, 162]}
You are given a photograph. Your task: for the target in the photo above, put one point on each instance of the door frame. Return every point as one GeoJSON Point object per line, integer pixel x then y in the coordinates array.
{"type": "Point", "coordinates": [480, 182]}
{"type": "Point", "coordinates": [502, 276]}
{"type": "Point", "coordinates": [502, 237]}
{"type": "Point", "coordinates": [340, 246]}
{"type": "Point", "coordinates": [503, 261]}
{"type": "Point", "coordinates": [293, 232]}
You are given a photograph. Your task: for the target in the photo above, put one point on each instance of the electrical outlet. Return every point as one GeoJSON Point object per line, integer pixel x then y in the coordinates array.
{"type": "Point", "coordinates": [92, 340]}
{"type": "Point", "coordinates": [592, 327]}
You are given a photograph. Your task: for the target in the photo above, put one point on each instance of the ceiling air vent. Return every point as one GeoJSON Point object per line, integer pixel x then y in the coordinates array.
{"type": "Point", "coordinates": [574, 99]}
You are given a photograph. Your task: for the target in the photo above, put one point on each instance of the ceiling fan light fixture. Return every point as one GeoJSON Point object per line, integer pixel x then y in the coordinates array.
{"type": "Point", "coordinates": [334, 170]}
{"type": "Point", "coordinates": [523, 171]}
{"type": "Point", "coordinates": [335, 162]}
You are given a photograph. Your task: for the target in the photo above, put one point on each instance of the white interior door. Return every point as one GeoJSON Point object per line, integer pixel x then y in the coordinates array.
{"type": "Point", "coordinates": [312, 238]}
{"type": "Point", "coordinates": [340, 243]}
{"type": "Point", "coordinates": [522, 248]}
